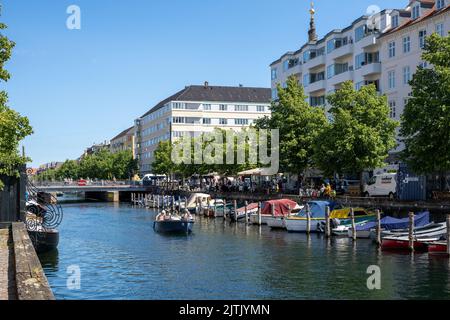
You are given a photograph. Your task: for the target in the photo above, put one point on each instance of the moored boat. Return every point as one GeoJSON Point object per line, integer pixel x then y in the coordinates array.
{"type": "Point", "coordinates": [274, 209]}
{"type": "Point", "coordinates": [173, 223]}
{"type": "Point", "coordinates": [402, 243]}
{"type": "Point", "coordinates": [437, 247]}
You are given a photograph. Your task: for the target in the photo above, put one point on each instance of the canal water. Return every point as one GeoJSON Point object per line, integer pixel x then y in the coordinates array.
{"type": "Point", "coordinates": [121, 257]}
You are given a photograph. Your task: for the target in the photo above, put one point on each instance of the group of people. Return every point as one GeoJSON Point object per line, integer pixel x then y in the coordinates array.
{"type": "Point", "coordinates": [165, 215]}
{"type": "Point", "coordinates": [325, 191]}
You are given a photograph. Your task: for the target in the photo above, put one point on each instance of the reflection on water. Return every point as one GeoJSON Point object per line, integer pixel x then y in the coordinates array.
{"type": "Point", "coordinates": [120, 257]}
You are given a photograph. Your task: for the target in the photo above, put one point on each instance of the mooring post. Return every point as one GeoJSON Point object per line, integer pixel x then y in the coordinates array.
{"type": "Point", "coordinates": [235, 210]}
{"type": "Point", "coordinates": [247, 220]}
{"type": "Point", "coordinates": [185, 203]}
{"type": "Point", "coordinates": [173, 203]}
{"type": "Point", "coordinates": [448, 235]}
{"type": "Point", "coordinates": [352, 213]}
{"type": "Point", "coordinates": [259, 213]}
{"type": "Point", "coordinates": [327, 222]}
{"type": "Point", "coordinates": [378, 227]}
{"type": "Point", "coordinates": [308, 219]}
{"type": "Point", "coordinates": [157, 201]}
{"type": "Point", "coordinates": [215, 208]}
{"type": "Point", "coordinates": [411, 231]}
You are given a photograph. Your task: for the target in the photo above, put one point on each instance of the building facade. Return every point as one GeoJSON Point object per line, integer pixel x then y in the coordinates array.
{"type": "Point", "coordinates": [384, 49]}
{"type": "Point", "coordinates": [196, 110]}
{"type": "Point", "coordinates": [124, 141]}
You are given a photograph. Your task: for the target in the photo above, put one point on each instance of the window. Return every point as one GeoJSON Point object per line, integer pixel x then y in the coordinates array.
{"type": "Point", "coordinates": [422, 35]}
{"type": "Point", "coordinates": [330, 71]}
{"type": "Point", "coordinates": [260, 108]}
{"type": "Point", "coordinates": [406, 75]}
{"type": "Point", "coordinates": [179, 105]}
{"type": "Point", "coordinates": [393, 109]}
{"type": "Point", "coordinates": [223, 107]}
{"type": "Point", "coordinates": [423, 64]}
{"type": "Point", "coordinates": [274, 94]}
{"type": "Point", "coordinates": [305, 80]}
{"type": "Point", "coordinates": [440, 4]}
{"type": "Point", "coordinates": [274, 74]}
{"type": "Point", "coordinates": [206, 107]}
{"type": "Point", "coordinates": [440, 29]}
{"type": "Point", "coordinates": [416, 11]}
{"type": "Point", "coordinates": [406, 44]}
{"type": "Point", "coordinates": [179, 120]}
{"type": "Point", "coordinates": [240, 108]}
{"type": "Point", "coordinates": [359, 85]}
{"type": "Point", "coordinates": [391, 79]}
{"type": "Point", "coordinates": [285, 65]}
{"type": "Point", "coordinates": [206, 120]}
{"type": "Point", "coordinates": [391, 49]}
{"type": "Point", "coordinates": [395, 21]}
{"type": "Point", "coordinates": [360, 33]}
{"type": "Point", "coordinates": [405, 101]}
{"type": "Point", "coordinates": [223, 121]}
{"type": "Point", "coordinates": [241, 122]}
{"type": "Point", "coordinates": [317, 101]}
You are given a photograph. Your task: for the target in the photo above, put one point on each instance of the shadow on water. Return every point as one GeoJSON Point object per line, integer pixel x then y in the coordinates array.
{"type": "Point", "coordinates": [50, 260]}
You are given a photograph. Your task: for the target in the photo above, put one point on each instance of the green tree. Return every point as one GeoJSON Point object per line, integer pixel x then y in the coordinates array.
{"type": "Point", "coordinates": [163, 159]}
{"type": "Point", "coordinates": [124, 165]}
{"type": "Point", "coordinates": [358, 135]}
{"type": "Point", "coordinates": [299, 125]}
{"type": "Point", "coordinates": [68, 170]}
{"type": "Point", "coordinates": [426, 119]}
{"type": "Point", "coordinates": [13, 127]}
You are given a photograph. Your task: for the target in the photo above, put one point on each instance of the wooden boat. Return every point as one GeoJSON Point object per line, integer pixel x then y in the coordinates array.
{"type": "Point", "coordinates": [280, 222]}
{"type": "Point", "coordinates": [432, 230]}
{"type": "Point", "coordinates": [366, 230]}
{"type": "Point", "coordinates": [173, 223]}
{"type": "Point", "coordinates": [402, 243]}
{"type": "Point", "coordinates": [44, 240]}
{"type": "Point", "coordinates": [343, 229]}
{"type": "Point", "coordinates": [239, 215]}
{"type": "Point", "coordinates": [338, 215]}
{"type": "Point", "coordinates": [437, 247]}
{"type": "Point", "coordinates": [274, 209]}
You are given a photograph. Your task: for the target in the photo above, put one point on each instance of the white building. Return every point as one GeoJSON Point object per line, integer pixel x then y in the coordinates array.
{"type": "Point", "coordinates": [384, 49]}
{"type": "Point", "coordinates": [198, 109]}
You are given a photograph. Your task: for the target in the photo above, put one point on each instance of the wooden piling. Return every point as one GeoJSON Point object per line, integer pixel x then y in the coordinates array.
{"type": "Point", "coordinates": [327, 222]}
{"type": "Point", "coordinates": [259, 213]}
{"type": "Point", "coordinates": [308, 219]}
{"type": "Point", "coordinates": [235, 210]}
{"type": "Point", "coordinates": [378, 227]}
{"type": "Point", "coordinates": [411, 231]}
{"type": "Point", "coordinates": [247, 220]}
{"type": "Point", "coordinates": [352, 213]}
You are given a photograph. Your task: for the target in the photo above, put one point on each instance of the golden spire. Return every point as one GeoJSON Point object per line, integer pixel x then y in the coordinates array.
{"type": "Point", "coordinates": [312, 35]}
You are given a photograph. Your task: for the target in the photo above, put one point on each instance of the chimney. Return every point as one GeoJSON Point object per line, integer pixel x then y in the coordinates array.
{"type": "Point", "coordinates": [206, 84]}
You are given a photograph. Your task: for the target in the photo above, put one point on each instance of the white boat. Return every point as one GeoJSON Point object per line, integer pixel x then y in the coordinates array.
{"type": "Point", "coordinates": [273, 209]}
{"type": "Point", "coordinates": [299, 222]}
{"type": "Point", "coordinates": [280, 222]}
{"type": "Point", "coordinates": [192, 202]}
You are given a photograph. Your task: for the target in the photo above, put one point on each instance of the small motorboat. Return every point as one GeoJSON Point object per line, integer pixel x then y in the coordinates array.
{"type": "Point", "coordinates": [437, 247]}
{"type": "Point", "coordinates": [240, 216]}
{"type": "Point", "coordinates": [432, 230]}
{"type": "Point", "coordinates": [366, 230]}
{"type": "Point", "coordinates": [275, 209]}
{"type": "Point", "coordinates": [173, 223]}
{"type": "Point", "coordinates": [402, 243]}
{"type": "Point", "coordinates": [43, 239]}
{"type": "Point", "coordinates": [342, 230]}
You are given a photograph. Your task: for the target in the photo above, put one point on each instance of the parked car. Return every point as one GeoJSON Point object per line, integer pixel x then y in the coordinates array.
{"type": "Point", "coordinates": [82, 183]}
{"type": "Point", "coordinates": [383, 185]}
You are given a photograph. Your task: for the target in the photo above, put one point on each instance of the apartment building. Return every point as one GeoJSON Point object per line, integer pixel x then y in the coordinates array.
{"type": "Point", "coordinates": [195, 110]}
{"type": "Point", "coordinates": [124, 141]}
{"type": "Point", "coordinates": [384, 49]}
{"type": "Point", "coordinates": [367, 51]}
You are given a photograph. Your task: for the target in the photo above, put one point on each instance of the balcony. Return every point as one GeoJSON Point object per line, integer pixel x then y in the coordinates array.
{"type": "Point", "coordinates": [342, 51]}
{"type": "Point", "coordinates": [316, 86]}
{"type": "Point", "coordinates": [371, 68]}
{"type": "Point", "coordinates": [315, 62]}
{"type": "Point", "coordinates": [368, 41]}
{"type": "Point", "coordinates": [342, 77]}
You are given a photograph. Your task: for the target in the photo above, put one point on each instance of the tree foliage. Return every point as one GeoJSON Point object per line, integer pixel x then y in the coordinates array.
{"type": "Point", "coordinates": [13, 127]}
{"type": "Point", "coordinates": [426, 118]}
{"type": "Point", "coordinates": [299, 125]}
{"type": "Point", "coordinates": [359, 133]}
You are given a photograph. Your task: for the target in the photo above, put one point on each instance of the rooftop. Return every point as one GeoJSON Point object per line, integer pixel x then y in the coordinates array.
{"type": "Point", "coordinates": [207, 93]}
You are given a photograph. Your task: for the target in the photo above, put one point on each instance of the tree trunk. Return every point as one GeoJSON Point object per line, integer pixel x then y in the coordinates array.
{"type": "Point", "coordinates": [361, 183]}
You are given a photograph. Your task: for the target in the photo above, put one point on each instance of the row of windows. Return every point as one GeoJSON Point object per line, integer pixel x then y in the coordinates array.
{"type": "Point", "coordinates": [207, 121]}
{"type": "Point", "coordinates": [222, 107]}
{"type": "Point", "coordinates": [407, 41]}
{"type": "Point", "coordinates": [157, 127]}
{"type": "Point", "coordinates": [155, 141]}
{"type": "Point", "coordinates": [407, 76]}
{"type": "Point", "coordinates": [156, 115]}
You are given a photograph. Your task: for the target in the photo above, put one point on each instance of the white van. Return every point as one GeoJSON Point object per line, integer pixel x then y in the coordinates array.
{"type": "Point", "coordinates": [382, 185]}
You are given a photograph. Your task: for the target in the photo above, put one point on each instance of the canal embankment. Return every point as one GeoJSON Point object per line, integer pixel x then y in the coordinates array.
{"type": "Point", "coordinates": [21, 273]}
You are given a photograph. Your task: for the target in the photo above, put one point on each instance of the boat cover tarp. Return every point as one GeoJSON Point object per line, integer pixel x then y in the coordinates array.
{"type": "Point", "coordinates": [251, 207]}
{"type": "Point", "coordinates": [317, 208]}
{"type": "Point", "coordinates": [390, 223]}
{"type": "Point", "coordinates": [281, 207]}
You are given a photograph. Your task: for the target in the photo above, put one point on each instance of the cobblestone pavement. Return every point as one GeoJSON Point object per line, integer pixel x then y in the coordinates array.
{"type": "Point", "coordinates": [4, 264]}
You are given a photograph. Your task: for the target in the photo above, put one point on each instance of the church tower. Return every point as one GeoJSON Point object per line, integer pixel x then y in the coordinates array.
{"type": "Point", "coordinates": [312, 35]}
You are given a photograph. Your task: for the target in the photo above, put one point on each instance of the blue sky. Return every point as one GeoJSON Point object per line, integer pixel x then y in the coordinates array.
{"type": "Point", "coordinates": [83, 86]}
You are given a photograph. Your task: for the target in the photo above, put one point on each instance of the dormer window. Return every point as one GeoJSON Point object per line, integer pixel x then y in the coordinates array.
{"type": "Point", "coordinates": [395, 21]}
{"type": "Point", "coordinates": [416, 11]}
{"type": "Point", "coordinates": [440, 4]}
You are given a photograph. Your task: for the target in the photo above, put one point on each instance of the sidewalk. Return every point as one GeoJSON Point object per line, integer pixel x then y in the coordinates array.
{"type": "Point", "coordinates": [6, 281]}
